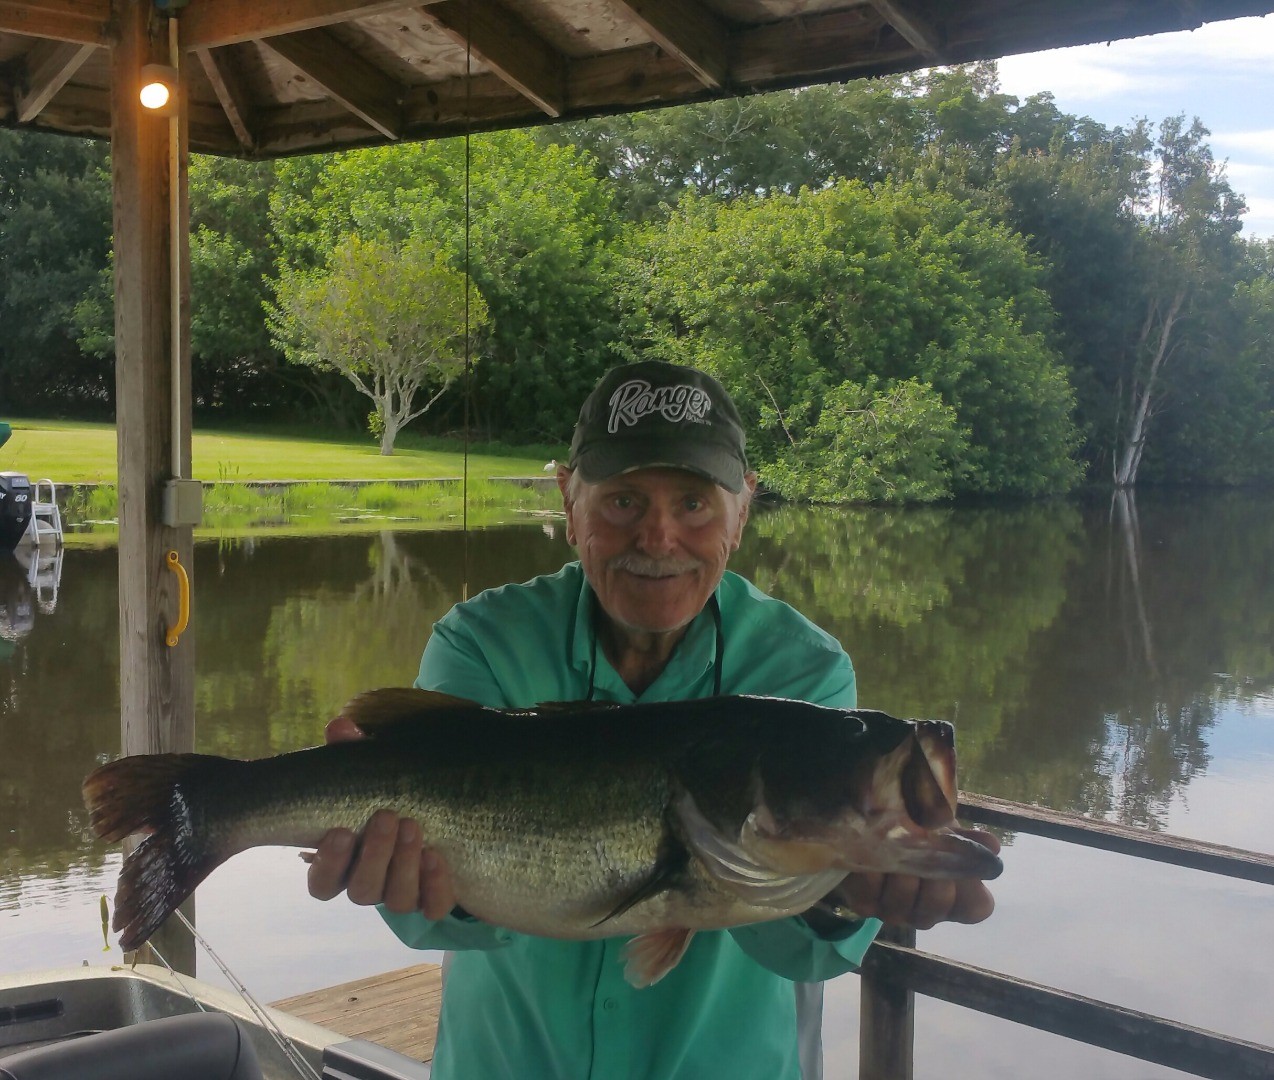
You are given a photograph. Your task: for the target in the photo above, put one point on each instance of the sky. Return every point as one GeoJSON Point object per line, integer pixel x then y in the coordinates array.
{"type": "Point", "coordinates": [1223, 73]}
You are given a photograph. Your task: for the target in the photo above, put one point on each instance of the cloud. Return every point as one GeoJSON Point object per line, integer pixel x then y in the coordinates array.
{"type": "Point", "coordinates": [1251, 144]}
{"type": "Point", "coordinates": [1225, 52]}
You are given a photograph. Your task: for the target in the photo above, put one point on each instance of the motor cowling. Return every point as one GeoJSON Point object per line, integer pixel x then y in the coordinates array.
{"type": "Point", "coordinates": [15, 508]}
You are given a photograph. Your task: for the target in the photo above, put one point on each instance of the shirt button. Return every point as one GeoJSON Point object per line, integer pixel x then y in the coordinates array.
{"type": "Point", "coordinates": [610, 1004]}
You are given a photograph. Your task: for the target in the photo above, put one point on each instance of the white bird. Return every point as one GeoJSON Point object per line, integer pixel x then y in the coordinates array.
{"type": "Point", "coordinates": [551, 466]}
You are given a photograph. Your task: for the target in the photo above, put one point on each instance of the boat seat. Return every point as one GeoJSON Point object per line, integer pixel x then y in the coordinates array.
{"type": "Point", "coordinates": [200, 1046]}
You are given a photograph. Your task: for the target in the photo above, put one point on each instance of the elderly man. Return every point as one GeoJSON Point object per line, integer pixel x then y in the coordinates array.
{"type": "Point", "coordinates": [656, 497]}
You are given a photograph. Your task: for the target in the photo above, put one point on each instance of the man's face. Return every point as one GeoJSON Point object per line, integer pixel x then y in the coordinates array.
{"type": "Point", "coordinates": [654, 542]}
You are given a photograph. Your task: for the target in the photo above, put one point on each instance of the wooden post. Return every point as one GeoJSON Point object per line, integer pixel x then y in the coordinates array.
{"type": "Point", "coordinates": [156, 682]}
{"type": "Point", "coordinates": [887, 1017]}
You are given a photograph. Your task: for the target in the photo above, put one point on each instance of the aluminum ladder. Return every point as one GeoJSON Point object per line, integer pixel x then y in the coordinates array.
{"type": "Point", "coordinates": [46, 518]}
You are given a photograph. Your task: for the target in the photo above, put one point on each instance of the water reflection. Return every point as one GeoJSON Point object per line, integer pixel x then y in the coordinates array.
{"type": "Point", "coordinates": [1094, 659]}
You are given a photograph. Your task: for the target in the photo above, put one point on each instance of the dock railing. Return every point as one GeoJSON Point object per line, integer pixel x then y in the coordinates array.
{"type": "Point", "coordinates": [894, 970]}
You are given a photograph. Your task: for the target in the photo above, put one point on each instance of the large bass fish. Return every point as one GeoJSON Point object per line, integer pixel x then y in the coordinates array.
{"type": "Point", "coordinates": [570, 820]}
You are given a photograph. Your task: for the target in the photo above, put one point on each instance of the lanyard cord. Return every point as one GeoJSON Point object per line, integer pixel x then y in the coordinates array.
{"type": "Point", "coordinates": [719, 638]}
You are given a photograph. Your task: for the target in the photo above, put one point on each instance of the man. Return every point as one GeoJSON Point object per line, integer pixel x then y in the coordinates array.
{"type": "Point", "coordinates": [656, 497]}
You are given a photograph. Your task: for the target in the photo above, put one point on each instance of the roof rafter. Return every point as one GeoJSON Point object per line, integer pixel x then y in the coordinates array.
{"type": "Point", "coordinates": [82, 22]}
{"type": "Point", "coordinates": [50, 66]}
{"type": "Point", "coordinates": [690, 32]}
{"type": "Point", "coordinates": [231, 22]}
{"type": "Point", "coordinates": [510, 48]}
{"type": "Point", "coordinates": [355, 82]}
{"type": "Point", "coordinates": [921, 34]}
{"type": "Point", "coordinates": [228, 86]}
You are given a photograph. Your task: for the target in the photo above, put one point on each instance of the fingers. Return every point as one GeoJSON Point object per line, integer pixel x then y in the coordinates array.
{"type": "Point", "coordinates": [330, 863]}
{"type": "Point", "coordinates": [385, 869]}
{"type": "Point", "coordinates": [437, 892]}
{"type": "Point", "coordinates": [342, 729]}
{"type": "Point", "coordinates": [386, 865]}
{"type": "Point", "coordinates": [921, 903]}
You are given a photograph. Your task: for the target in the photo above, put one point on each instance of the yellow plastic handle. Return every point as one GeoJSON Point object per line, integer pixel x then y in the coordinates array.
{"type": "Point", "coordinates": [183, 598]}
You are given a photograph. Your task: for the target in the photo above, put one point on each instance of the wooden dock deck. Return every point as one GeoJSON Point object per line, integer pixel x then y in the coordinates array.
{"type": "Point", "coordinates": [398, 1009]}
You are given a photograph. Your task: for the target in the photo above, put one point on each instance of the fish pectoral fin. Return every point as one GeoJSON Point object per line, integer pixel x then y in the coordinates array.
{"type": "Point", "coordinates": [735, 867]}
{"type": "Point", "coordinates": [649, 957]}
{"type": "Point", "coordinates": [661, 878]}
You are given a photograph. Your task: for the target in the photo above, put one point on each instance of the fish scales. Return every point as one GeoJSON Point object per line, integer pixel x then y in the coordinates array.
{"type": "Point", "coordinates": [573, 821]}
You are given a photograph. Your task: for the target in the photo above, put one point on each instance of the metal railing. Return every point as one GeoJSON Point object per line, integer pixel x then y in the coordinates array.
{"type": "Point", "coordinates": [894, 970]}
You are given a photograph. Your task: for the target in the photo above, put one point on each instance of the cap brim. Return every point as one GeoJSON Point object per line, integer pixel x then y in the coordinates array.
{"type": "Point", "coordinates": [617, 456]}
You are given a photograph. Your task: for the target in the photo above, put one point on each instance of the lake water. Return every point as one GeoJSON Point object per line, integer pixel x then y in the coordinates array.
{"type": "Point", "coordinates": [1122, 669]}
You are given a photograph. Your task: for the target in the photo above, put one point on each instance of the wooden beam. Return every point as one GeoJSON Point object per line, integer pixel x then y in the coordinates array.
{"type": "Point", "coordinates": [1072, 1016]}
{"type": "Point", "coordinates": [344, 75]}
{"type": "Point", "coordinates": [230, 22]}
{"type": "Point", "coordinates": [230, 91]}
{"type": "Point", "coordinates": [156, 685]}
{"type": "Point", "coordinates": [922, 35]}
{"type": "Point", "coordinates": [510, 48]}
{"type": "Point", "coordinates": [1124, 839]}
{"type": "Point", "coordinates": [887, 1016]}
{"type": "Point", "coordinates": [81, 22]}
{"type": "Point", "coordinates": [49, 67]}
{"type": "Point", "coordinates": [690, 32]}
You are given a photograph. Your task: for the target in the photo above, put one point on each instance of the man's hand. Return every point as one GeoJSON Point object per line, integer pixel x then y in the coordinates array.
{"type": "Point", "coordinates": [904, 900]}
{"type": "Point", "coordinates": [387, 864]}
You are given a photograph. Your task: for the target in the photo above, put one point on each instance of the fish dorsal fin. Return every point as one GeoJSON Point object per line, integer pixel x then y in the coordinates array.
{"type": "Point", "coordinates": [733, 866]}
{"type": "Point", "coordinates": [574, 706]}
{"type": "Point", "coordinates": [397, 711]}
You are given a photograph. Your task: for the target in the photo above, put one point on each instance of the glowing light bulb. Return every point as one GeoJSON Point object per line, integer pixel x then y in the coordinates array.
{"type": "Point", "coordinates": [155, 95]}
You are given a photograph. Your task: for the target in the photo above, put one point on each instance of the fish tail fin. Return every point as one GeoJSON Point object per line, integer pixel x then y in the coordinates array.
{"type": "Point", "coordinates": [149, 794]}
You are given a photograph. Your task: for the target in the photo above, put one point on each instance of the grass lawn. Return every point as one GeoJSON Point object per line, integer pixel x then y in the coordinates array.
{"type": "Point", "coordinates": [71, 452]}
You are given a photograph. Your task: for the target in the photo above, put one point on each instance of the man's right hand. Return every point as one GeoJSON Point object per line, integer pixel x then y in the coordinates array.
{"type": "Point", "coordinates": [387, 864]}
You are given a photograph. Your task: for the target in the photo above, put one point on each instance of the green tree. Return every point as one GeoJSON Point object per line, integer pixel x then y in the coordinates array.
{"type": "Point", "coordinates": [389, 317]}
{"type": "Point", "coordinates": [1189, 240]}
{"type": "Point", "coordinates": [55, 210]}
{"type": "Point", "coordinates": [788, 298]}
{"type": "Point", "coordinates": [538, 246]}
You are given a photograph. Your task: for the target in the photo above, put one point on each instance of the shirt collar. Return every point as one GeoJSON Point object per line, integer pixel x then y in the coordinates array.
{"type": "Point", "coordinates": [691, 660]}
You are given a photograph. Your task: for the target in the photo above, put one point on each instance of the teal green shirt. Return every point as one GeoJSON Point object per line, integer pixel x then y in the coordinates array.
{"type": "Point", "coordinates": [517, 1006]}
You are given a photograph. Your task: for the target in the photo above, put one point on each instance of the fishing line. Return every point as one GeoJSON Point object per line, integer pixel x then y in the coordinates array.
{"type": "Point", "coordinates": [468, 357]}
{"type": "Point", "coordinates": [280, 1037]}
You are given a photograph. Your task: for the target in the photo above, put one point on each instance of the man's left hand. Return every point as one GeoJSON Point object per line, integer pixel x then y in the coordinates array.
{"type": "Point", "coordinates": [921, 903]}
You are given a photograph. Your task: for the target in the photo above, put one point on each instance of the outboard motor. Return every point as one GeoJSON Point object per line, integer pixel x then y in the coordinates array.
{"type": "Point", "coordinates": [15, 508]}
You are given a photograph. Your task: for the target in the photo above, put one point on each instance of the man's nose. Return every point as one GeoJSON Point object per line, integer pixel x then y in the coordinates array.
{"type": "Point", "coordinates": [657, 531]}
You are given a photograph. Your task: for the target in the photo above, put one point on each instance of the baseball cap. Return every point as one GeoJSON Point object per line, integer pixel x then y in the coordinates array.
{"type": "Point", "coordinates": [652, 413]}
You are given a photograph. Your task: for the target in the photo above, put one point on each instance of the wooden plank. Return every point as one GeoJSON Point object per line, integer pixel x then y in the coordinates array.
{"type": "Point", "coordinates": [347, 77]}
{"type": "Point", "coordinates": [1097, 1023]}
{"type": "Point", "coordinates": [690, 32]}
{"type": "Point", "coordinates": [922, 35]}
{"type": "Point", "coordinates": [231, 93]}
{"type": "Point", "coordinates": [49, 67]}
{"type": "Point", "coordinates": [1107, 836]}
{"type": "Point", "coordinates": [398, 1009]}
{"type": "Point", "coordinates": [231, 22]}
{"type": "Point", "coordinates": [510, 48]}
{"type": "Point", "coordinates": [157, 686]}
{"type": "Point", "coordinates": [82, 22]}
{"type": "Point", "coordinates": [886, 1030]}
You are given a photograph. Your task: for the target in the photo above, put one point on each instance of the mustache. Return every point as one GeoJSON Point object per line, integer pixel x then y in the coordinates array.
{"type": "Point", "coordinates": [645, 566]}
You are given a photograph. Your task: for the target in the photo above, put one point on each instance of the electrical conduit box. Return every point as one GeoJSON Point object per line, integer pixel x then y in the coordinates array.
{"type": "Point", "coordinates": [183, 503]}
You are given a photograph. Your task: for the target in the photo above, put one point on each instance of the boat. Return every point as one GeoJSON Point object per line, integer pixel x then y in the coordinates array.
{"type": "Point", "coordinates": [146, 1023]}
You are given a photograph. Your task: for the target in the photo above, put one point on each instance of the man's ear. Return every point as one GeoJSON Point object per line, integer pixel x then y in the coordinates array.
{"type": "Point", "coordinates": [745, 500]}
